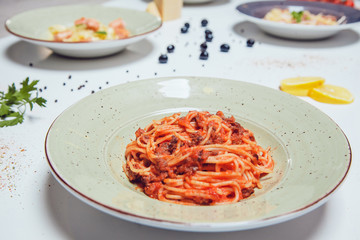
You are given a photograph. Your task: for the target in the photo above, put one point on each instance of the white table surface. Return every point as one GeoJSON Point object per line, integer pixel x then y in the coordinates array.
{"type": "Point", "coordinates": [34, 206]}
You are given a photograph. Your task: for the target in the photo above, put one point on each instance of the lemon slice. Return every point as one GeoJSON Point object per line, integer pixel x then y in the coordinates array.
{"type": "Point", "coordinates": [327, 93]}
{"type": "Point", "coordinates": [300, 86]}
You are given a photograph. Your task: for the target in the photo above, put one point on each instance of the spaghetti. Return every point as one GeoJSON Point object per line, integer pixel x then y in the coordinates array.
{"type": "Point", "coordinates": [198, 159]}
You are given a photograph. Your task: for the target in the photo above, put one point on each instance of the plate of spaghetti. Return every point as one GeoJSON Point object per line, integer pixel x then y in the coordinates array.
{"type": "Point", "coordinates": [301, 20]}
{"type": "Point", "coordinates": [197, 159]}
{"type": "Point", "coordinates": [198, 154]}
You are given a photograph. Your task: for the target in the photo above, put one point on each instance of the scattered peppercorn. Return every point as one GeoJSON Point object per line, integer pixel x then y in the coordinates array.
{"type": "Point", "coordinates": [170, 48]}
{"type": "Point", "coordinates": [203, 46]}
{"type": "Point", "coordinates": [30, 64]}
{"type": "Point", "coordinates": [224, 47]}
{"type": "Point", "coordinates": [163, 58]}
{"type": "Point", "coordinates": [207, 31]}
{"type": "Point", "coordinates": [184, 29]}
{"type": "Point", "coordinates": [250, 42]}
{"type": "Point", "coordinates": [209, 37]}
{"type": "Point", "coordinates": [204, 55]}
{"type": "Point", "coordinates": [204, 23]}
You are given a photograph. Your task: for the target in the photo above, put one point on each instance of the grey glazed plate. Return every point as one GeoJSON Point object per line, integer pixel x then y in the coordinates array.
{"type": "Point", "coordinates": [85, 150]}
{"type": "Point", "coordinates": [33, 25]}
{"type": "Point", "coordinates": [255, 11]}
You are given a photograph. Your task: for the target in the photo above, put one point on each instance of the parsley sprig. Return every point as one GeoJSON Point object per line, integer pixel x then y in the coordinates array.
{"type": "Point", "coordinates": [297, 15]}
{"type": "Point", "coordinates": [13, 103]}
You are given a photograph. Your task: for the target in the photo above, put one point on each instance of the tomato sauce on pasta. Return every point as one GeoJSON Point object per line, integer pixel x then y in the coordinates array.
{"type": "Point", "coordinates": [197, 159]}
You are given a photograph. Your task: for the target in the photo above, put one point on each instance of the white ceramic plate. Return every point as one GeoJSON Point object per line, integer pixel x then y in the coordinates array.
{"type": "Point", "coordinates": [32, 26]}
{"type": "Point", "coordinates": [85, 150]}
{"type": "Point", "coordinates": [255, 11]}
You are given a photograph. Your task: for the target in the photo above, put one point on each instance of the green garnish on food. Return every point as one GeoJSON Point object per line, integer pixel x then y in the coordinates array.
{"type": "Point", "coordinates": [82, 25]}
{"type": "Point", "coordinates": [297, 16]}
{"type": "Point", "coordinates": [101, 32]}
{"type": "Point", "coordinates": [13, 103]}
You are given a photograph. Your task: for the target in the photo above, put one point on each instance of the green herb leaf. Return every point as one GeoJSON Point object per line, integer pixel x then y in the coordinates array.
{"type": "Point", "coordinates": [101, 32]}
{"type": "Point", "coordinates": [13, 103]}
{"type": "Point", "coordinates": [297, 16]}
{"type": "Point", "coordinates": [12, 119]}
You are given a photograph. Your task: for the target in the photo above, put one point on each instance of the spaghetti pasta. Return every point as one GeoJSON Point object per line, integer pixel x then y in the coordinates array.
{"type": "Point", "coordinates": [197, 159]}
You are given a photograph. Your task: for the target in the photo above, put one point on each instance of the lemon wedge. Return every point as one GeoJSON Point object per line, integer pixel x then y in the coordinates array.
{"type": "Point", "coordinates": [327, 93]}
{"type": "Point", "coordinates": [300, 86]}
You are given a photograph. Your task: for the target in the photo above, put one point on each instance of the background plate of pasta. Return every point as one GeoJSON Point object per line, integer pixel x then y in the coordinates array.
{"type": "Point", "coordinates": [83, 31]}
{"type": "Point", "coordinates": [198, 154]}
{"type": "Point", "coordinates": [301, 20]}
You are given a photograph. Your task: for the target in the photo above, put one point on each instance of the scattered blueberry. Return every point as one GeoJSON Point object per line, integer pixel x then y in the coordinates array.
{"type": "Point", "coordinates": [224, 47]}
{"type": "Point", "coordinates": [204, 55]}
{"type": "Point", "coordinates": [184, 29]}
{"type": "Point", "coordinates": [250, 42]}
{"type": "Point", "coordinates": [170, 48]}
{"type": "Point", "coordinates": [203, 46]}
{"type": "Point", "coordinates": [187, 25]}
{"type": "Point", "coordinates": [204, 22]}
{"type": "Point", "coordinates": [209, 37]}
{"type": "Point", "coordinates": [207, 31]}
{"type": "Point", "coordinates": [163, 58]}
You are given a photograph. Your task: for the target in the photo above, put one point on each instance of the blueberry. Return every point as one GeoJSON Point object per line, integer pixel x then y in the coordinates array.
{"type": "Point", "coordinates": [250, 42]}
{"type": "Point", "coordinates": [163, 58]}
{"type": "Point", "coordinates": [184, 29]}
{"type": "Point", "coordinates": [187, 25]}
{"type": "Point", "coordinates": [203, 46]}
{"type": "Point", "coordinates": [204, 55]}
{"type": "Point", "coordinates": [209, 37]}
{"type": "Point", "coordinates": [207, 31]}
{"type": "Point", "coordinates": [170, 48]}
{"type": "Point", "coordinates": [204, 22]}
{"type": "Point", "coordinates": [224, 47]}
